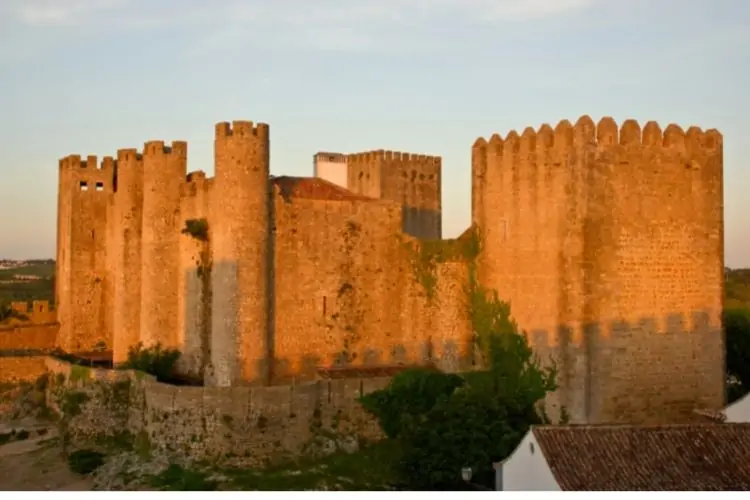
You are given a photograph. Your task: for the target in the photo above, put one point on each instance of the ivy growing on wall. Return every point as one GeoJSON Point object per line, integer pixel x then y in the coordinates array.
{"type": "Point", "coordinates": [425, 256]}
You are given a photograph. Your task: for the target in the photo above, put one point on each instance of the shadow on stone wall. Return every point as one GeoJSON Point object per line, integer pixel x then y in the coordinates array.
{"type": "Point", "coordinates": [258, 423]}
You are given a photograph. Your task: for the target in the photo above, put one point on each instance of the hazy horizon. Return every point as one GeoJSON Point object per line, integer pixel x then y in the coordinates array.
{"type": "Point", "coordinates": [93, 76]}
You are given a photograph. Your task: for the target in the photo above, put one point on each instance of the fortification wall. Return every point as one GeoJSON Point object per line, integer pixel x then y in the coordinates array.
{"type": "Point", "coordinates": [205, 423]}
{"type": "Point", "coordinates": [412, 180]}
{"type": "Point", "coordinates": [85, 190]}
{"type": "Point", "coordinates": [28, 336]}
{"type": "Point", "coordinates": [15, 369]}
{"type": "Point", "coordinates": [126, 252]}
{"type": "Point", "coordinates": [578, 229]}
{"type": "Point", "coordinates": [164, 171]}
{"type": "Point", "coordinates": [194, 300]}
{"type": "Point", "coordinates": [240, 275]}
{"type": "Point", "coordinates": [36, 311]}
{"type": "Point", "coordinates": [346, 293]}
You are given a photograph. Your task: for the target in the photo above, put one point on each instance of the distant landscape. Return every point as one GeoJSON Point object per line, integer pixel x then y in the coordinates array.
{"type": "Point", "coordinates": [27, 280]}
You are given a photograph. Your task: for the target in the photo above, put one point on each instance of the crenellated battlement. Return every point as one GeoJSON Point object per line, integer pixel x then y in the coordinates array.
{"type": "Point", "coordinates": [605, 133]}
{"type": "Point", "coordinates": [241, 129]}
{"type": "Point", "coordinates": [128, 154]}
{"type": "Point", "coordinates": [394, 156]}
{"type": "Point", "coordinates": [598, 233]}
{"type": "Point", "coordinates": [159, 148]}
{"type": "Point", "coordinates": [91, 163]}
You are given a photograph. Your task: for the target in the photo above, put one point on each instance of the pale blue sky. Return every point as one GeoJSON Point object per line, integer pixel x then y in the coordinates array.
{"type": "Point", "coordinates": [424, 76]}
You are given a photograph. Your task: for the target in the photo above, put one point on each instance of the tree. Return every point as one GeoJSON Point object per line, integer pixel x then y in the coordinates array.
{"type": "Point", "coordinates": [471, 424]}
{"type": "Point", "coordinates": [737, 328]}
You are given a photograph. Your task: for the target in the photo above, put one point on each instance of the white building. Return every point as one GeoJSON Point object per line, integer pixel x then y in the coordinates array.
{"type": "Point", "coordinates": [332, 167]}
{"type": "Point", "coordinates": [680, 457]}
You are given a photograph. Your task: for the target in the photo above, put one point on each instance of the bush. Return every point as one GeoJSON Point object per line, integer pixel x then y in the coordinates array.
{"type": "Point", "coordinates": [410, 395]}
{"type": "Point", "coordinates": [737, 328]}
{"type": "Point", "coordinates": [442, 423]}
{"type": "Point", "coordinates": [153, 360]}
{"type": "Point", "coordinates": [465, 430]}
{"type": "Point", "coordinates": [85, 461]}
{"type": "Point", "coordinates": [176, 478]}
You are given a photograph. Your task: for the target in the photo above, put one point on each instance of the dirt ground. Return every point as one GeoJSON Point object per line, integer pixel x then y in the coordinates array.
{"type": "Point", "coordinates": [35, 464]}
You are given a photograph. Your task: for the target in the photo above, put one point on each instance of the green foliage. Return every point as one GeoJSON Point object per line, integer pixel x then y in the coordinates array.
{"type": "Point", "coordinates": [409, 396]}
{"type": "Point", "coordinates": [155, 361]}
{"type": "Point", "coordinates": [176, 478]}
{"type": "Point", "coordinates": [442, 425]}
{"type": "Point", "coordinates": [197, 228]}
{"type": "Point", "coordinates": [41, 289]}
{"type": "Point", "coordinates": [78, 372]}
{"type": "Point", "coordinates": [469, 429]}
{"type": "Point", "coordinates": [71, 403]}
{"type": "Point", "coordinates": [737, 288]}
{"type": "Point", "coordinates": [427, 255]}
{"type": "Point", "coordinates": [85, 462]}
{"type": "Point", "coordinates": [737, 328]}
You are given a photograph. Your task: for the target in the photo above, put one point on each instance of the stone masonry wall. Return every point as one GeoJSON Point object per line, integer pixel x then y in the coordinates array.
{"type": "Point", "coordinates": [37, 336]}
{"type": "Point", "coordinates": [15, 369]}
{"type": "Point", "coordinates": [259, 424]}
{"type": "Point", "coordinates": [411, 180]}
{"type": "Point", "coordinates": [82, 274]}
{"type": "Point", "coordinates": [608, 244]}
{"type": "Point", "coordinates": [346, 293]}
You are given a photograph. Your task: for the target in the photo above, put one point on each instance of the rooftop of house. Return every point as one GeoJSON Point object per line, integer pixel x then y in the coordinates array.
{"type": "Point", "coordinates": [706, 457]}
{"type": "Point", "coordinates": [314, 188]}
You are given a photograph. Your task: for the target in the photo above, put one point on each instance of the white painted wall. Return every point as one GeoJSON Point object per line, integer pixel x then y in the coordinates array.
{"type": "Point", "coordinates": [332, 170]}
{"type": "Point", "coordinates": [739, 411]}
{"type": "Point", "coordinates": [526, 469]}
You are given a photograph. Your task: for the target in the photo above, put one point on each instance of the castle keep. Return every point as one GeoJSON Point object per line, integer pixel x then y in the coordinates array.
{"type": "Point", "coordinates": [606, 240]}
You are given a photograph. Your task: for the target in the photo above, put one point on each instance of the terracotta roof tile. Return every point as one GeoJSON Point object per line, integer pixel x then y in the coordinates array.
{"type": "Point", "coordinates": [690, 457]}
{"type": "Point", "coordinates": [314, 188]}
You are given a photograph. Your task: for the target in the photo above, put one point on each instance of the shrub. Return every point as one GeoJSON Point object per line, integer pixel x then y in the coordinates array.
{"type": "Point", "coordinates": [176, 478]}
{"type": "Point", "coordinates": [154, 360]}
{"type": "Point", "coordinates": [442, 423]}
{"type": "Point", "coordinates": [85, 461]}
{"type": "Point", "coordinates": [737, 328]}
{"type": "Point", "coordinates": [410, 395]}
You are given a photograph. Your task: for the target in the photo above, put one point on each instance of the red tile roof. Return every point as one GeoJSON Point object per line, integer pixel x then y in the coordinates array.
{"type": "Point", "coordinates": [314, 188]}
{"type": "Point", "coordinates": [690, 457]}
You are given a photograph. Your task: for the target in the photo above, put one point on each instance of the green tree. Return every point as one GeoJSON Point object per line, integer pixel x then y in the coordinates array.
{"type": "Point", "coordinates": [737, 328]}
{"type": "Point", "coordinates": [471, 424]}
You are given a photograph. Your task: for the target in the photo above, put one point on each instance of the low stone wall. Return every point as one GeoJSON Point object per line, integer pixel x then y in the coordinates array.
{"type": "Point", "coordinates": [15, 369]}
{"type": "Point", "coordinates": [259, 424]}
{"type": "Point", "coordinates": [28, 336]}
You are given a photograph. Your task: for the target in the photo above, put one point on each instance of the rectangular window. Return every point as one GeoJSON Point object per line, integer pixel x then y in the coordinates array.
{"type": "Point", "coordinates": [100, 186]}
{"type": "Point", "coordinates": [84, 186]}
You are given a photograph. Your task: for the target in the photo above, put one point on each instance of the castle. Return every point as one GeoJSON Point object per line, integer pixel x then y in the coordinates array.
{"type": "Point", "coordinates": [606, 240]}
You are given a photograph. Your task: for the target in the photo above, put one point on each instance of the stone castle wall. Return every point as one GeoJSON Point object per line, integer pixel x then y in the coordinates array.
{"type": "Point", "coordinates": [606, 241]}
{"type": "Point", "coordinates": [203, 423]}
{"type": "Point", "coordinates": [609, 245]}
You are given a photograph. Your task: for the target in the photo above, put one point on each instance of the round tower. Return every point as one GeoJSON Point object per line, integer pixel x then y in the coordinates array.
{"type": "Point", "coordinates": [241, 348]}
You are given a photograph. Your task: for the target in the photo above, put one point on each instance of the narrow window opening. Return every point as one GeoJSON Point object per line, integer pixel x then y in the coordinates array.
{"type": "Point", "coordinates": [325, 306]}
{"type": "Point", "coordinates": [84, 186]}
{"type": "Point", "coordinates": [504, 230]}
{"type": "Point", "coordinates": [100, 186]}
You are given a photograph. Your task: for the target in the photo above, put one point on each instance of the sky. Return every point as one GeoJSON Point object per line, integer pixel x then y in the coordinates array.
{"type": "Point", "coordinates": [423, 76]}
